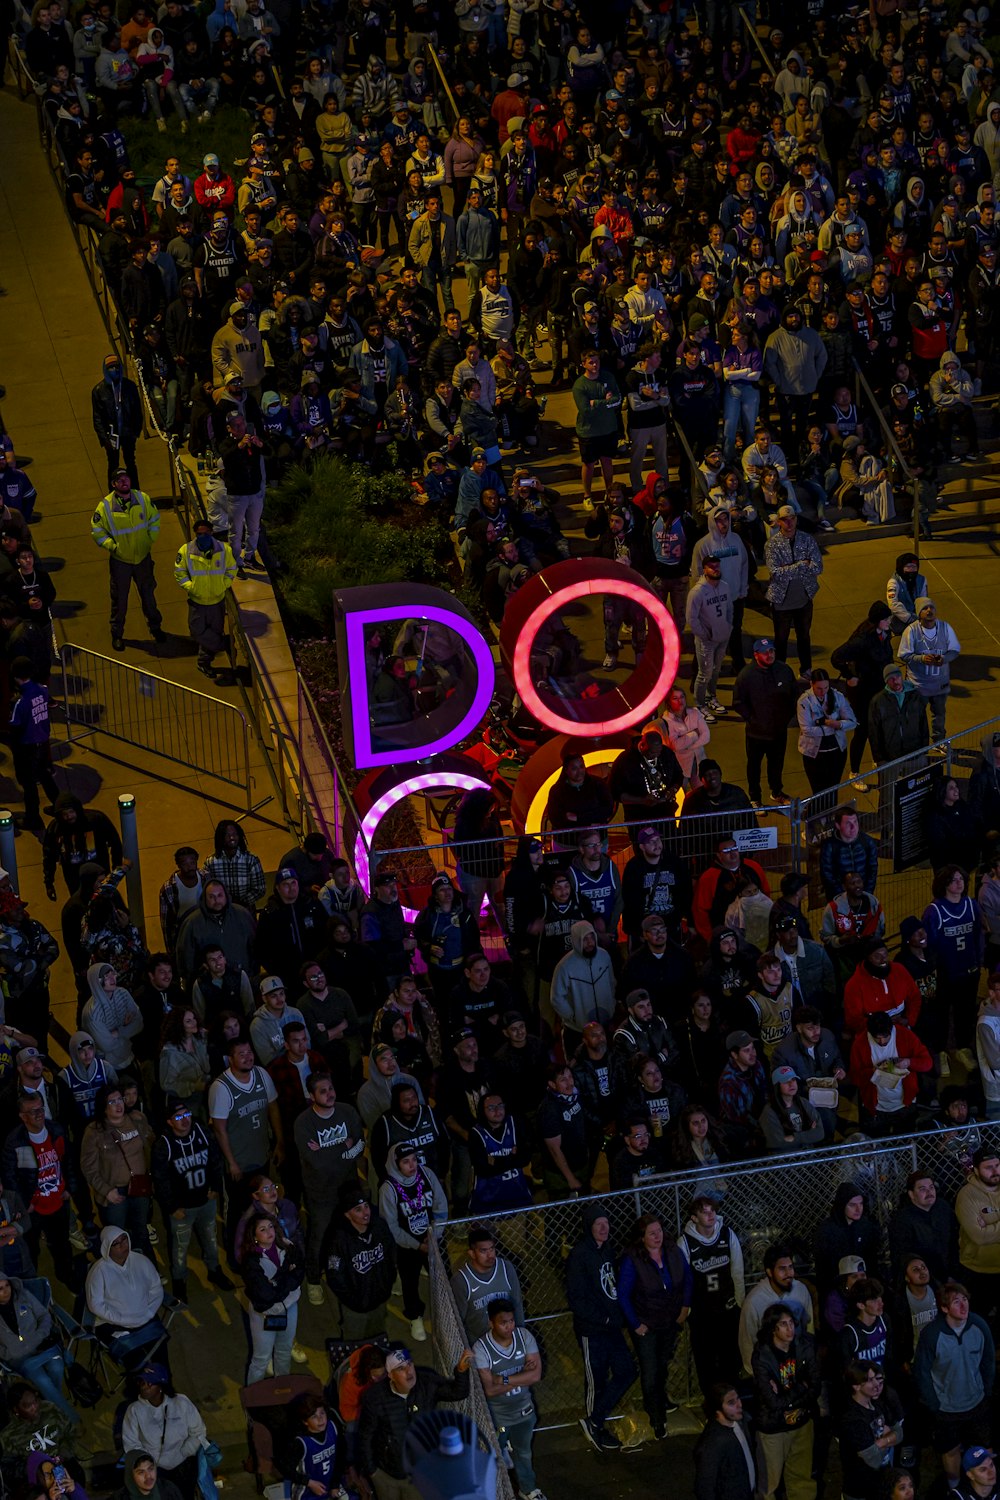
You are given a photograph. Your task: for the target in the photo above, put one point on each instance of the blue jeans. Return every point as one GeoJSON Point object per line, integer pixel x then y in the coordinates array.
{"type": "Point", "coordinates": [199, 1221]}
{"type": "Point", "coordinates": [45, 1370]}
{"type": "Point", "coordinates": [740, 408]}
{"type": "Point", "coordinates": [126, 1341]}
{"type": "Point", "coordinates": [429, 279]}
{"type": "Point", "coordinates": [132, 1215]}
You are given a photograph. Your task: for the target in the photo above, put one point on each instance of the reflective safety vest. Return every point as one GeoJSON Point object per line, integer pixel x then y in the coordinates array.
{"type": "Point", "coordinates": [128, 530]}
{"type": "Point", "coordinates": [205, 576]}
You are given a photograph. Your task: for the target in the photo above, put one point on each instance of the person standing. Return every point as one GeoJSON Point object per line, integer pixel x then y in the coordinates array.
{"type": "Point", "coordinates": [862, 659]}
{"type": "Point", "coordinates": [786, 1384]}
{"type": "Point", "coordinates": [509, 1365]}
{"type": "Point", "coordinates": [205, 569]}
{"type": "Point", "coordinates": [186, 1167]}
{"type": "Point", "coordinates": [126, 524]}
{"type": "Point", "coordinates": [597, 400]}
{"type": "Point", "coordinates": [724, 1464]}
{"type": "Point", "coordinates": [433, 249]}
{"type": "Point", "coordinates": [242, 1102]}
{"type": "Point", "coordinates": [655, 1287]}
{"type": "Point", "coordinates": [648, 404]}
{"type": "Point", "coordinates": [30, 733]}
{"type": "Point", "coordinates": [824, 716]}
{"type": "Point", "coordinates": [709, 618]}
{"type": "Point", "coordinates": [598, 1322]}
{"type": "Point", "coordinates": [954, 1369]}
{"type": "Point", "coordinates": [329, 1140]}
{"type": "Point", "coordinates": [241, 454]}
{"type": "Point", "coordinates": [897, 718]}
{"type": "Point", "coordinates": [715, 1256]}
{"type": "Point", "coordinates": [117, 417]}
{"type": "Point", "coordinates": [928, 647]}
{"type": "Point", "coordinates": [764, 697]}
{"type": "Point", "coordinates": [794, 562]}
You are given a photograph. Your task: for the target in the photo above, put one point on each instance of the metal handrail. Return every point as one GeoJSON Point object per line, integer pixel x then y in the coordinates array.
{"type": "Point", "coordinates": [435, 59]}
{"type": "Point", "coordinates": [890, 441]}
{"type": "Point", "coordinates": [752, 33]}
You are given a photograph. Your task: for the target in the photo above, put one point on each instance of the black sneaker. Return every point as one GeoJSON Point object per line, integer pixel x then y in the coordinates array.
{"type": "Point", "coordinates": [607, 1441]}
{"type": "Point", "coordinates": [219, 1278]}
{"type": "Point", "coordinates": [159, 636]}
{"type": "Point", "coordinates": [660, 1431]}
{"type": "Point", "coordinates": [670, 1407]}
{"type": "Point", "coordinates": [117, 643]}
{"type": "Point", "coordinates": [179, 1289]}
{"type": "Point", "coordinates": [591, 1433]}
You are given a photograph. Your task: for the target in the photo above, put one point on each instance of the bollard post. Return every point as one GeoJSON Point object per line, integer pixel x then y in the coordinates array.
{"type": "Point", "coordinates": [130, 849]}
{"type": "Point", "coordinates": [8, 845]}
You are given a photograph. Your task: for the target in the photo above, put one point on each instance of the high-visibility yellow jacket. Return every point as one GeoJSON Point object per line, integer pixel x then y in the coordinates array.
{"type": "Point", "coordinates": [128, 530]}
{"type": "Point", "coordinates": [205, 576]}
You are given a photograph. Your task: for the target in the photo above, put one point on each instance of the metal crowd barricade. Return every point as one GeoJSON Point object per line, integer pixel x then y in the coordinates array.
{"type": "Point", "coordinates": [168, 721]}
{"type": "Point", "coordinates": [449, 1341]}
{"type": "Point", "coordinates": [784, 1197]}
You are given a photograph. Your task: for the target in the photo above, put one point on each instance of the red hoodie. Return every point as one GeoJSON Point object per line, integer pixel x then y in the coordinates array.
{"type": "Point", "coordinates": [866, 993]}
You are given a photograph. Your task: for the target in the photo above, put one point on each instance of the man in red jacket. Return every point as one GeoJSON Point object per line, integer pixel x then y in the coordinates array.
{"type": "Point", "coordinates": [718, 885]}
{"type": "Point", "coordinates": [885, 1060]}
{"type": "Point", "coordinates": [878, 984]}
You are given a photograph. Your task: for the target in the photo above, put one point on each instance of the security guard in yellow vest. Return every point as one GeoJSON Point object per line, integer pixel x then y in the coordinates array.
{"type": "Point", "coordinates": [205, 569]}
{"type": "Point", "coordinates": [126, 524]}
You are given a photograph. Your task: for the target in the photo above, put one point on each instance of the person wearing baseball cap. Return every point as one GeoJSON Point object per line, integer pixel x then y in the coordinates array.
{"type": "Point", "coordinates": [764, 696]}
{"type": "Point", "coordinates": [291, 926]}
{"type": "Point", "coordinates": [270, 1018]}
{"type": "Point", "coordinates": [167, 1426]}
{"type": "Point", "coordinates": [979, 1468]}
{"type": "Point", "coordinates": [788, 1121]}
{"type": "Point", "coordinates": [389, 1406]}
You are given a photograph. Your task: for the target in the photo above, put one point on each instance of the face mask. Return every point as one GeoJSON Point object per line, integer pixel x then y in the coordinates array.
{"type": "Point", "coordinates": [113, 375]}
{"type": "Point", "coordinates": [203, 541]}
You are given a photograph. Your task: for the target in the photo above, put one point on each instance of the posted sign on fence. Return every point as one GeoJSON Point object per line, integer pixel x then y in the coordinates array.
{"type": "Point", "coordinates": [911, 797]}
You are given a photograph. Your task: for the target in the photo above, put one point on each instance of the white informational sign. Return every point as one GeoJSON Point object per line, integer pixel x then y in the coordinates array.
{"type": "Point", "coordinates": [750, 840]}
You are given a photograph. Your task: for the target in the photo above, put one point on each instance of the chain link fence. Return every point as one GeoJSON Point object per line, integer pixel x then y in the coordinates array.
{"type": "Point", "coordinates": [449, 1341]}
{"type": "Point", "coordinates": [763, 1201]}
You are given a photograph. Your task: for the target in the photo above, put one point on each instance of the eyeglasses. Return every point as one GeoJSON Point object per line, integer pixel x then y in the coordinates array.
{"type": "Point", "coordinates": [267, 1187]}
{"type": "Point", "coordinates": [181, 1114]}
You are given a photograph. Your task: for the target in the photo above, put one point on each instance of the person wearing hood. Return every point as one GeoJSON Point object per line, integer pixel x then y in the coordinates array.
{"type": "Point", "coordinates": [849, 1229]}
{"type": "Point", "coordinates": [903, 589]}
{"type": "Point", "coordinates": [238, 346]}
{"type": "Point", "coordinates": [413, 1204]}
{"type": "Point", "coordinates": [167, 1426]}
{"type": "Point", "coordinates": [598, 1323]}
{"type": "Point", "coordinates": [360, 1264]}
{"type": "Point", "coordinates": [142, 1480]}
{"type": "Point", "coordinates": [206, 568]}
{"type": "Point", "coordinates": [74, 837]}
{"type": "Point", "coordinates": [117, 418]}
{"type": "Point", "coordinates": [794, 361]}
{"type": "Point", "coordinates": [124, 1294]}
{"type": "Point", "coordinates": [583, 986]}
{"type": "Point", "coordinates": [26, 1342]}
{"type": "Point", "coordinates": [216, 921]}
{"type": "Point", "coordinates": [928, 647]}
{"type": "Point", "coordinates": [951, 391]}
{"type": "Point", "coordinates": [384, 1075]}
{"type": "Point", "coordinates": [111, 1016]}
{"type": "Point", "coordinates": [861, 660]}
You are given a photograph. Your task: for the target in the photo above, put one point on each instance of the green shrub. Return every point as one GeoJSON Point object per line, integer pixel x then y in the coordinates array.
{"type": "Point", "coordinates": [336, 525]}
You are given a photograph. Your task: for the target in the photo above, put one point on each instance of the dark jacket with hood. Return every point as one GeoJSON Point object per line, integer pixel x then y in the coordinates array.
{"type": "Point", "coordinates": [931, 1233]}
{"type": "Point", "coordinates": [728, 980]}
{"type": "Point", "coordinates": [360, 1268]}
{"type": "Point", "coordinates": [232, 929]}
{"type": "Point", "coordinates": [864, 656]}
{"type": "Point", "coordinates": [591, 1281]}
{"type": "Point", "coordinates": [121, 417]}
{"type": "Point", "coordinates": [837, 1237]}
{"type": "Point", "coordinates": [92, 837]}
{"type": "Point", "coordinates": [897, 723]}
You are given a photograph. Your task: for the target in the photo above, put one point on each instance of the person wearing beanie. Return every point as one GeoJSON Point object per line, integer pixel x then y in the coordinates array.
{"type": "Point", "coordinates": [360, 1264]}
{"type": "Point", "coordinates": [897, 717]}
{"type": "Point", "coordinates": [928, 647]}
{"type": "Point", "coordinates": [598, 1323]}
{"type": "Point", "coordinates": [861, 661]}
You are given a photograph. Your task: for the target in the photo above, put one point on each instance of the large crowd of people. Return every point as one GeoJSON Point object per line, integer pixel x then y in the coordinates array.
{"type": "Point", "coordinates": [700, 249]}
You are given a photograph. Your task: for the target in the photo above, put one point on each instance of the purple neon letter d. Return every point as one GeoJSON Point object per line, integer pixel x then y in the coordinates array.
{"type": "Point", "coordinates": [358, 611]}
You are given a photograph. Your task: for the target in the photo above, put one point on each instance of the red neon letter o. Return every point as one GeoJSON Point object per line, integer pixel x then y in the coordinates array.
{"type": "Point", "coordinates": [560, 585]}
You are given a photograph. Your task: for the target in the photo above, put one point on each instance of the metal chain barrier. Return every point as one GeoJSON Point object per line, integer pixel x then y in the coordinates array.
{"type": "Point", "coordinates": [763, 1201]}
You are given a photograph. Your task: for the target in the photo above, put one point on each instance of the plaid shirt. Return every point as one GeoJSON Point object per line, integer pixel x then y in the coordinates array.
{"type": "Point", "coordinates": [737, 1091]}
{"type": "Point", "coordinates": [242, 874]}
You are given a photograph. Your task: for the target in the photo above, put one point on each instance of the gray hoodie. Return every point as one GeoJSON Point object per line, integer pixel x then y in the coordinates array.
{"type": "Point", "coordinates": [583, 988]}
{"type": "Point", "coordinates": [411, 1206]}
{"type": "Point", "coordinates": [112, 1020]}
{"type": "Point", "coordinates": [730, 551]}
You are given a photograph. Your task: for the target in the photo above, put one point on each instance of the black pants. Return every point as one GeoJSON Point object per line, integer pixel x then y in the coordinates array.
{"type": "Point", "coordinates": [654, 1351]}
{"type": "Point", "coordinates": [123, 457]}
{"type": "Point", "coordinates": [715, 1346]}
{"type": "Point", "coordinates": [824, 770]}
{"type": "Point", "coordinates": [410, 1263]}
{"type": "Point", "coordinates": [608, 1372]}
{"type": "Point", "coordinates": [784, 619]}
{"type": "Point", "coordinates": [736, 655]}
{"type": "Point", "coordinates": [859, 739]}
{"type": "Point", "coordinates": [121, 577]}
{"type": "Point", "coordinates": [774, 752]}
{"type": "Point", "coordinates": [55, 1227]}
{"type": "Point", "coordinates": [33, 764]}
{"type": "Point", "coordinates": [793, 414]}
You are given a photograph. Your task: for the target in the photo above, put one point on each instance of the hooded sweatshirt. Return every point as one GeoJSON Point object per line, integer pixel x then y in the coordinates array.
{"type": "Point", "coordinates": [125, 1296]}
{"type": "Point", "coordinates": [794, 360]}
{"type": "Point", "coordinates": [411, 1206]}
{"type": "Point", "coordinates": [169, 1433]}
{"type": "Point", "coordinates": [84, 1079]}
{"type": "Point", "coordinates": [583, 988]}
{"type": "Point", "coordinates": [112, 1020]}
{"type": "Point", "coordinates": [717, 1264]}
{"type": "Point", "coordinates": [591, 1280]}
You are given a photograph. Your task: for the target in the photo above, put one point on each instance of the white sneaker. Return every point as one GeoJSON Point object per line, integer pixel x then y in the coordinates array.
{"type": "Point", "coordinates": [945, 1064]}
{"type": "Point", "coordinates": [588, 504]}
{"type": "Point", "coordinates": [717, 707]}
{"type": "Point", "coordinates": [161, 126]}
{"type": "Point", "coordinates": [417, 1330]}
{"type": "Point", "coordinates": [860, 785]}
{"type": "Point", "coordinates": [967, 1058]}
{"type": "Point", "coordinates": [154, 1238]}
{"type": "Point", "coordinates": [708, 715]}
{"type": "Point", "coordinates": [609, 663]}
{"type": "Point", "coordinates": [534, 1494]}
{"type": "Point", "coordinates": [315, 1293]}
{"type": "Point", "coordinates": [299, 1355]}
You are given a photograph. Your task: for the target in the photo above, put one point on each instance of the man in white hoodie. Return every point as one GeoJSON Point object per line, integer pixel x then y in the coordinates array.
{"type": "Point", "coordinates": [414, 1205]}
{"type": "Point", "coordinates": [124, 1294]}
{"type": "Point", "coordinates": [583, 986]}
